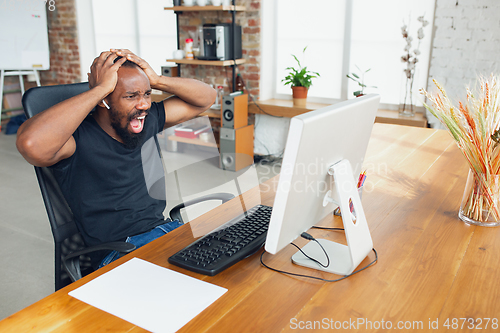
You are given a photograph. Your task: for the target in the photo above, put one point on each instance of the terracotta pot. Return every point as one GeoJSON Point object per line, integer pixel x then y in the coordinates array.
{"type": "Point", "coordinates": [299, 96]}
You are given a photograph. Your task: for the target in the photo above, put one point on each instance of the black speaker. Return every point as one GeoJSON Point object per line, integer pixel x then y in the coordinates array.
{"type": "Point", "coordinates": [236, 147]}
{"type": "Point", "coordinates": [235, 110]}
{"type": "Point", "coordinates": [170, 71]}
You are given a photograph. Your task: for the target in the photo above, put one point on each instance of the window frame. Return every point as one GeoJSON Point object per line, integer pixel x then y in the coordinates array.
{"type": "Point", "coordinates": [269, 38]}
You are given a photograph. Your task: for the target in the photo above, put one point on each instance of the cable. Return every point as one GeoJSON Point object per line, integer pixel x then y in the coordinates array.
{"type": "Point", "coordinates": [227, 79]}
{"type": "Point", "coordinates": [317, 278]}
{"type": "Point", "coordinates": [268, 159]}
{"type": "Point", "coordinates": [258, 106]}
{"type": "Point", "coordinates": [252, 97]}
{"type": "Point", "coordinates": [314, 277]}
{"type": "Point", "coordinates": [327, 228]}
{"type": "Point", "coordinates": [309, 237]}
{"type": "Point", "coordinates": [264, 112]}
{"type": "Point", "coordinates": [265, 147]}
{"type": "Point", "coordinates": [250, 94]}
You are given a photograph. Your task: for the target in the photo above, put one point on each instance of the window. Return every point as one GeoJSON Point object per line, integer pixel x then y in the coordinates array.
{"type": "Point", "coordinates": [341, 34]}
{"type": "Point", "coordinates": [144, 27]}
{"type": "Point", "coordinates": [319, 25]}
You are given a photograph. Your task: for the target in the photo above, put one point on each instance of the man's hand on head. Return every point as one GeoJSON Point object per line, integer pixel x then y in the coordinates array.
{"type": "Point", "coordinates": [104, 71]}
{"type": "Point", "coordinates": [143, 64]}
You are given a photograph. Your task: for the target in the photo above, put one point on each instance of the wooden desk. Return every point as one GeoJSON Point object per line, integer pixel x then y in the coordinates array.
{"type": "Point", "coordinates": [431, 265]}
{"type": "Point", "coordinates": [195, 141]}
{"type": "Point", "coordinates": [393, 117]}
{"type": "Point", "coordinates": [282, 108]}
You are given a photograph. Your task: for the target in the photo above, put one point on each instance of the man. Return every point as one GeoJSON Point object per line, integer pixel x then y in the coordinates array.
{"type": "Point", "coordinates": [92, 142]}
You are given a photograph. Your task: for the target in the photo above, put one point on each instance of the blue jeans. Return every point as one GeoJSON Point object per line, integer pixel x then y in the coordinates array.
{"type": "Point", "coordinates": [143, 239]}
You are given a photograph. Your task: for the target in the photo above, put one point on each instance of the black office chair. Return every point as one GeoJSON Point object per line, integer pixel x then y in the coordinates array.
{"type": "Point", "coordinates": [71, 253]}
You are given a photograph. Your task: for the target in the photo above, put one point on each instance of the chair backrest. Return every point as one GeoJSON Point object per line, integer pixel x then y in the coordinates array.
{"type": "Point", "coordinates": [67, 238]}
{"type": "Point", "coordinates": [64, 230]}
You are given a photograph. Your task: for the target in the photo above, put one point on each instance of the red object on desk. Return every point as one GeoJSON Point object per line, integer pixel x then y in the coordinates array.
{"type": "Point", "coordinates": [190, 133]}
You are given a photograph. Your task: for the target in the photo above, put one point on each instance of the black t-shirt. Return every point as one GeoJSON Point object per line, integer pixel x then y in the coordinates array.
{"type": "Point", "coordinates": [104, 183]}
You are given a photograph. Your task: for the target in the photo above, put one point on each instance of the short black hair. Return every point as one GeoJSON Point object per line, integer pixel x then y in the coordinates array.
{"type": "Point", "coordinates": [127, 63]}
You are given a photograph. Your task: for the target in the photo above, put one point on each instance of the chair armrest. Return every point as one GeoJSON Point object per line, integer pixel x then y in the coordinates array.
{"type": "Point", "coordinates": [71, 262]}
{"type": "Point", "coordinates": [121, 247]}
{"type": "Point", "coordinates": [175, 212]}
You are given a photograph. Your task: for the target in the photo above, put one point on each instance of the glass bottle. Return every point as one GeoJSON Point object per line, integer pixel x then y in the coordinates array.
{"type": "Point", "coordinates": [220, 94]}
{"type": "Point", "coordinates": [240, 85]}
{"type": "Point", "coordinates": [189, 48]}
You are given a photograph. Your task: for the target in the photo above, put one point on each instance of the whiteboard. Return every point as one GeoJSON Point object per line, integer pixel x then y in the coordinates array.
{"type": "Point", "coordinates": [24, 42]}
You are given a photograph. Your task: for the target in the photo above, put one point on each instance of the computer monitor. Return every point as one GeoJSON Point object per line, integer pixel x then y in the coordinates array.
{"type": "Point", "coordinates": [323, 157]}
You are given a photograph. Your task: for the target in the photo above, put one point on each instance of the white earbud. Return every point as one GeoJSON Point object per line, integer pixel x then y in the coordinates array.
{"type": "Point", "coordinates": [105, 104]}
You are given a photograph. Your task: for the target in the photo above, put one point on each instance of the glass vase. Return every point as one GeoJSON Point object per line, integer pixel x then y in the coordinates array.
{"type": "Point", "coordinates": [406, 98]}
{"type": "Point", "coordinates": [481, 200]}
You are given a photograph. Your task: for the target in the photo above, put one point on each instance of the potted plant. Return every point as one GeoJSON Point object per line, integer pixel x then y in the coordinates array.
{"type": "Point", "coordinates": [410, 59]}
{"type": "Point", "coordinates": [360, 80]}
{"type": "Point", "coordinates": [300, 80]}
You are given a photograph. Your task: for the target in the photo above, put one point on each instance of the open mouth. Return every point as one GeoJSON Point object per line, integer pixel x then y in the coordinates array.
{"type": "Point", "coordinates": [137, 123]}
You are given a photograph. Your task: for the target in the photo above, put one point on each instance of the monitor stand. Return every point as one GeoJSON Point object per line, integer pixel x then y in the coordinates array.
{"type": "Point", "coordinates": [343, 258]}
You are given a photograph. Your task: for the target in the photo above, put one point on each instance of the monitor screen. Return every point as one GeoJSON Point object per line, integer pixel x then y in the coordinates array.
{"type": "Point", "coordinates": [316, 141]}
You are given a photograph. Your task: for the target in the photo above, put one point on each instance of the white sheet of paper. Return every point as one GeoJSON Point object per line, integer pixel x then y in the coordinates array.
{"type": "Point", "coordinates": [149, 296]}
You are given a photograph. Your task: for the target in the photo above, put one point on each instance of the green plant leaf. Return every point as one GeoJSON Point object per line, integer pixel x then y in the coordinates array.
{"type": "Point", "coordinates": [359, 80]}
{"type": "Point", "coordinates": [355, 80]}
{"type": "Point", "coordinates": [300, 77]}
{"type": "Point", "coordinates": [298, 62]}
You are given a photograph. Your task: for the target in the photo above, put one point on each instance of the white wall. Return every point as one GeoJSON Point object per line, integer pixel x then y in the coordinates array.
{"type": "Point", "coordinates": [466, 44]}
{"type": "Point", "coordinates": [86, 36]}
{"type": "Point", "coordinates": [143, 27]}
{"type": "Point", "coordinates": [268, 49]}
{"type": "Point", "coordinates": [270, 132]}
{"type": "Point", "coordinates": [362, 32]}
{"type": "Point", "coordinates": [115, 25]}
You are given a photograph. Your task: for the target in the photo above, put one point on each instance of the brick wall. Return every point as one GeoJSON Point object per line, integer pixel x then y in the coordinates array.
{"type": "Point", "coordinates": [250, 24]}
{"type": "Point", "coordinates": [63, 45]}
{"type": "Point", "coordinates": [466, 44]}
{"type": "Point", "coordinates": [65, 61]}
{"type": "Point", "coordinates": [222, 76]}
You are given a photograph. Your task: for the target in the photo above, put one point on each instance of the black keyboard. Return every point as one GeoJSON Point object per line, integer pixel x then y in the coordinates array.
{"type": "Point", "coordinates": [243, 236]}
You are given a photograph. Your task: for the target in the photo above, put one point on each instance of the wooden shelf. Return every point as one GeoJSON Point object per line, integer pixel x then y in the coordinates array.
{"type": "Point", "coordinates": [206, 8]}
{"type": "Point", "coordinates": [11, 91]}
{"type": "Point", "coordinates": [285, 108]}
{"type": "Point", "coordinates": [207, 62]}
{"type": "Point", "coordinates": [158, 97]}
{"type": "Point", "coordinates": [393, 117]}
{"type": "Point", "coordinates": [9, 113]}
{"type": "Point", "coordinates": [211, 113]}
{"type": "Point", "coordinates": [192, 141]}
{"type": "Point", "coordinates": [282, 108]}
{"type": "Point", "coordinates": [229, 9]}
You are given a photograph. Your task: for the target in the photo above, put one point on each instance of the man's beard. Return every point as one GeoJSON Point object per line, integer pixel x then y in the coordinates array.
{"type": "Point", "coordinates": [130, 140]}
